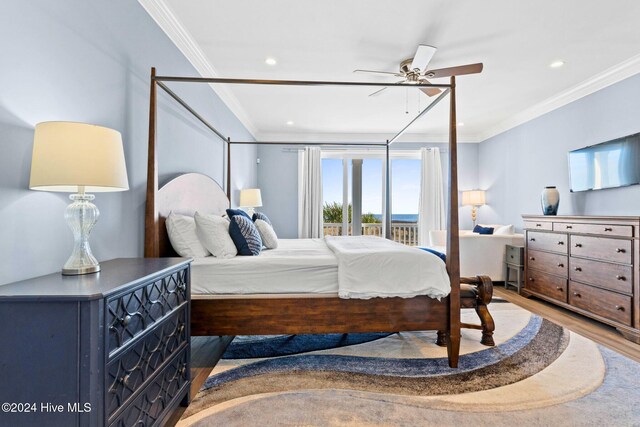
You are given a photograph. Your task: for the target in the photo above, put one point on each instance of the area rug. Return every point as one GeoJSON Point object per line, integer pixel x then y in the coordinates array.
{"type": "Point", "coordinates": [538, 371]}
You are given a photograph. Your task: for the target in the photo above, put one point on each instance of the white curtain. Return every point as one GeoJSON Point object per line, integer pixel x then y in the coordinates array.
{"type": "Point", "coordinates": [431, 215]}
{"type": "Point", "coordinates": [310, 193]}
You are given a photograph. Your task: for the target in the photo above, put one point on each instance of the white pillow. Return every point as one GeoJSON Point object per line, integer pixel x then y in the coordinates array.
{"type": "Point", "coordinates": [213, 232]}
{"type": "Point", "coordinates": [183, 238]}
{"type": "Point", "coordinates": [267, 233]}
{"type": "Point", "coordinates": [504, 230]}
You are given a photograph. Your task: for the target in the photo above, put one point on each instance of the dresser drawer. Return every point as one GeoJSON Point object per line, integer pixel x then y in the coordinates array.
{"type": "Point", "coordinates": [549, 263]}
{"type": "Point", "coordinates": [604, 229]}
{"type": "Point", "coordinates": [615, 277]}
{"type": "Point", "coordinates": [552, 242]}
{"type": "Point", "coordinates": [616, 250]}
{"type": "Point", "coordinates": [609, 305]}
{"type": "Point", "coordinates": [552, 286]}
{"type": "Point", "coordinates": [515, 255]}
{"type": "Point", "coordinates": [538, 225]}
{"type": "Point", "coordinates": [138, 362]}
{"type": "Point", "coordinates": [149, 407]}
{"type": "Point", "coordinates": [131, 314]}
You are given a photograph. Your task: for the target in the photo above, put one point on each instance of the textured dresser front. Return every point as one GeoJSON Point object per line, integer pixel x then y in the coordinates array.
{"type": "Point", "coordinates": [147, 371]}
{"type": "Point", "coordinates": [588, 265]}
{"type": "Point", "coordinates": [97, 350]}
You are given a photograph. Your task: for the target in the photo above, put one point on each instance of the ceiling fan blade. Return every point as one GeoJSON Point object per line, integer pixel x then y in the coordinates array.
{"type": "Point", "coordinates": [376, 93]}
{"type": "Point", "coordinates": [454, 71]}
{"type": "Point", "coordinates": [430, 91]}
{"type": "Point", "coordinates": [378, 72]}
{"type": "Point", "coordinates": [423, 57]}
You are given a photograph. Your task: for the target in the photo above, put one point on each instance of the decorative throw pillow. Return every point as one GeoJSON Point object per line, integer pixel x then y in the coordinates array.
{"type": "Point", "coordinates": [482, 230]}
{"type": "Point", "coordinates": [504, 230]}
{"type": "Point", "coordinates": [267, 233]}
{"type": "Point", "coordinates": [260, 215]}
{"type": "Point", "coordinates": [234, 212]}
{"type": "Point", "coordinates": [245, 235]}
{"type": "Point", "coordinates": [182, 235]}
{"type": "Point", "coordinates": [213, 232]}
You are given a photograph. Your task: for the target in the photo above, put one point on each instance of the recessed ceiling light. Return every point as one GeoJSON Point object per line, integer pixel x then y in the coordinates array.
{"type": "Point", "coordinates": [290, 123]}
{"type": "Point", "coordinates": [460, 123]}
{"type": "Point", "coordinates": [270, 61]}
{"type": "Point", "coordinates": [556, 64]}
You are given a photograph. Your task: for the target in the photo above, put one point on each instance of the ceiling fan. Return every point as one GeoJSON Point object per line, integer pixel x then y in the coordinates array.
{"type": "Point", "coordinates": [414, 70]}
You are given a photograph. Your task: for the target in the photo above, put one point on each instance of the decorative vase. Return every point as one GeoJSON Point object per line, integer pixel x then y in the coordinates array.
{"type": "Point", "coordinates": [550, 200]}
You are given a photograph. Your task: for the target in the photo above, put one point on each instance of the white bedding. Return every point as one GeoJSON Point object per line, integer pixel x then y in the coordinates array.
{"type": "Point", "coordinates": [371, 267]}
{"type": "Point", "coordinates": [297, 266]}
{"type": "Point", "coordinates": [351, 267]}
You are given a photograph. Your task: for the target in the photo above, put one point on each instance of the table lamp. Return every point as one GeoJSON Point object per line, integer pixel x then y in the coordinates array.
{"type": "Point", "coordinates": [473, 198]}
{"type": "Point", "coordinates": [78, 158]}
{"type": "Point", "coordinates": [250, 198]}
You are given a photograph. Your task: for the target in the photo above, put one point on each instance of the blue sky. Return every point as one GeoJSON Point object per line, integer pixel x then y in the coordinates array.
{"type": "Point", "coordinates": [405, 184]}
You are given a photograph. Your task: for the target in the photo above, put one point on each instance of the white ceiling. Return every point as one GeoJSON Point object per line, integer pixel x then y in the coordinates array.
{"type": "Point", "coordinates": [327, 40]}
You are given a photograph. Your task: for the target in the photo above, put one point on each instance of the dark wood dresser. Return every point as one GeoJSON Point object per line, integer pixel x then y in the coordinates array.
{"type": "Point", "coordinates": [104, 349]}
{"type": "Point", "coordinates": [588, 264]}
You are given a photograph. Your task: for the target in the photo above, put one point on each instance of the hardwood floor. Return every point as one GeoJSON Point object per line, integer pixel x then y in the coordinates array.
{"type": "Point", "coordinates": [594, 330]}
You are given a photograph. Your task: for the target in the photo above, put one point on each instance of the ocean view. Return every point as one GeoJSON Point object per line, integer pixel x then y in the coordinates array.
{"type": "Point", "coordinates": [400, 217]}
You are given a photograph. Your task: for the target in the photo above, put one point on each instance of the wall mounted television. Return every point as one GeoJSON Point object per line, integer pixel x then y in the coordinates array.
{"type": "Point", "coordinates": [610, 164]}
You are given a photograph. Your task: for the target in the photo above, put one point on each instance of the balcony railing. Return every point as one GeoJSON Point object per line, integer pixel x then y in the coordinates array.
{"type": "Point", "coordinates": [401, 232]}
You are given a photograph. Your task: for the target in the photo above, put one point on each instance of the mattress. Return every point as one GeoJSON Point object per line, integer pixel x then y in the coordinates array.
{"type": "Point", "coordinates": [297, 266]}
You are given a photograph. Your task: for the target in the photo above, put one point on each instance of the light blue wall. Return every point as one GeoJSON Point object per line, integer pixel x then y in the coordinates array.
{"type": "Point", "coordinates": [278, 180]}
{"type": "Point", "coordinates": [516, 165]}
{"type": "Point", "coordinates": [89, 61]}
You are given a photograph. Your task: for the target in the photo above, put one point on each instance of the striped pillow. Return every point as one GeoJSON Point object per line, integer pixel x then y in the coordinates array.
{"type": "Point", "coordinates": [245, 235]}
{"type": "Point", "coordinates": [260, 215]}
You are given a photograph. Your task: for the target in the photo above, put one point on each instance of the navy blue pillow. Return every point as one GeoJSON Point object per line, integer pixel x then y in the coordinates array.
{"type": "Point", "coordinates": [245, 235]}
{"type": "Point", "coordinates": [483, 230]}
{"type": "Point", "coordinates": [440, 255]}
{"type": "Point", "coordinates": [234, 212]}
{"type": "Point", "coordinates": [260, 215]}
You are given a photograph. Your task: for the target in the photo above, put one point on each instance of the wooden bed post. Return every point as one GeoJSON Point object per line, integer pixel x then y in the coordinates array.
{"type": "Point", "coordinates": [229, 170]}
{"type": "Point", "coordinates": [151, 238]}
{"type": "Point", "coordinates": [453, 243]}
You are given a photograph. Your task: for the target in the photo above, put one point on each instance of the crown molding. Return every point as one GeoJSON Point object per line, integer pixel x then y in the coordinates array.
{"type": "Point", "coordinates": [160, 11]}
{"type": "Point", "coordinates": [598, 82]}
{"type": "Point", "coordinates": [410, 138]}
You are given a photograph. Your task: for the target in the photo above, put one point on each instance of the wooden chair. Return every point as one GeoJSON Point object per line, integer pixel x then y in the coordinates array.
{"type": "Point", "coordinates": [475, 293]}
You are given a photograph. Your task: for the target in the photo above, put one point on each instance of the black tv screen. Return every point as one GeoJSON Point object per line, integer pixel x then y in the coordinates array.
{"type": "Point", "coordinates": [614, 163]}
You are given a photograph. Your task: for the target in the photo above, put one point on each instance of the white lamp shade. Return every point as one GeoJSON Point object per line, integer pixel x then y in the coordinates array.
{"type": "Point", "coordinates": [250, 198]}
{"type": "Point", "coordinates": [473, 198]}
{"type": "Point", "coordinates": [67, 155]}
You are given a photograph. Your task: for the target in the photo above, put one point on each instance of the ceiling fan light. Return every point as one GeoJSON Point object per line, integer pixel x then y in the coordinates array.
{"type": "Point", "coordinates": [556, 64]}
{"type": "Point", "coordinates": [270, 61]}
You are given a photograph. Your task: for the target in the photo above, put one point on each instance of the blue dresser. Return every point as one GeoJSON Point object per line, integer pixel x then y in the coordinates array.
{"type": "Point", "coordinates": [105, 349]}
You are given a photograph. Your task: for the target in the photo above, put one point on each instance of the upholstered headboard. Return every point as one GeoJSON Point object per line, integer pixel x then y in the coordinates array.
{"type": "Point", "coordinates": [185, 195]}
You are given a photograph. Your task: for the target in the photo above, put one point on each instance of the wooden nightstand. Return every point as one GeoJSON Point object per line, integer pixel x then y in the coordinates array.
{"type": "Point", "coordinates": [514, 262]}
{"type": "Point", "coordinates": [110, 348]}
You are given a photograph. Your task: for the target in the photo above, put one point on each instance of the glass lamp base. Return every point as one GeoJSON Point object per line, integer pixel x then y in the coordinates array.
{"type": "Point", "coordinates": [81, 216]}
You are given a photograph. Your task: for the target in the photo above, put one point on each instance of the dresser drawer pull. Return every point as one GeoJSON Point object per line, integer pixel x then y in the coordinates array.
{"type": "Point", "coordinates": [577, 294]}
{"type": "Point", "coordinates": [608, 229]}
{"type": "Point", "coordinates": [532, 258]}
{"type": "Point", "coordinates": [569, 227]}
{"type": "Point", "coordinates": [125, 320]}
{"type": "Point", "coordinates": [620, 250]}
{"type": "Point", "coordinates": [531, 279]}
{"type": "Point", "coordinates": [125, 379]}
{"type": "Point", "coordinates": [559, 288]}
{"type": "Point", "coordinates": [578, 245]}
{"type": "Point", "coordinates": [561, 242]}
{"type": "Point", "coordinates": [577, 268]}
{"type": "Point", "coordinates": [533, 239]}
{"type": "Point", "coordinates": [619, 308]}
{"type": "Point", "coordinates": [560, 264]}
{"type": "Point", "coordinates": [619, 277]}
{"type": "Point", "coordinates": [538, 225]}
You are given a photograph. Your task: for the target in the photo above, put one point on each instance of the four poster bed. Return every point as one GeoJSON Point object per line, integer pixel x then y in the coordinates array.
{"type": "Point", "coordinates": [305, 313]}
